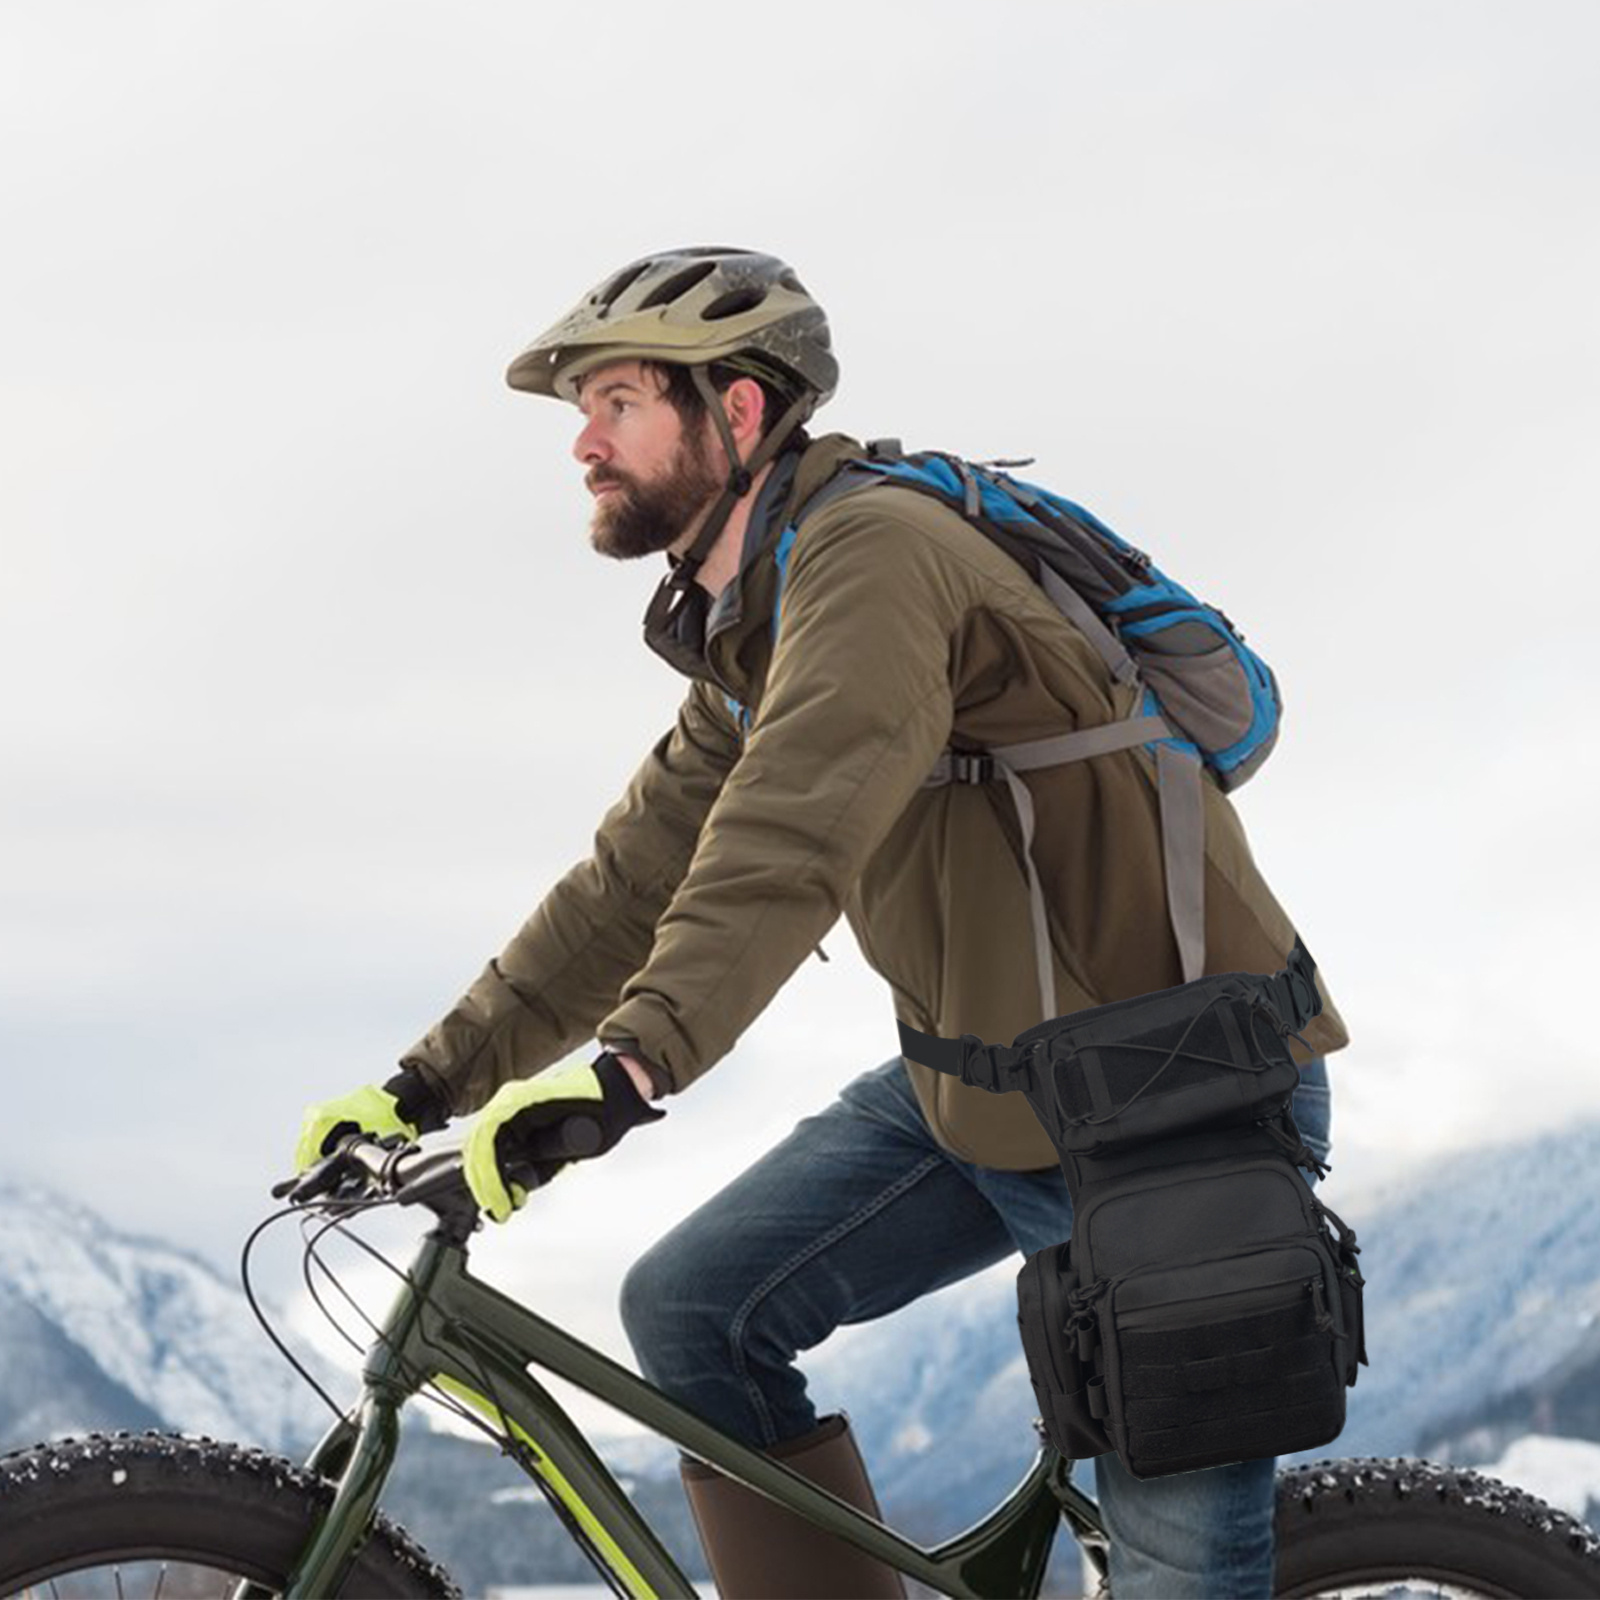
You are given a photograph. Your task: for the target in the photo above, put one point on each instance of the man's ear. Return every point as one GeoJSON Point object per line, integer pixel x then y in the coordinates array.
{"type": "Point", "coordinates": [745, 406]}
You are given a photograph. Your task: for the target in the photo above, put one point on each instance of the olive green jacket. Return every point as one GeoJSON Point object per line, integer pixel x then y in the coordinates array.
{"type": "Point", "coordinates": [790, 790]}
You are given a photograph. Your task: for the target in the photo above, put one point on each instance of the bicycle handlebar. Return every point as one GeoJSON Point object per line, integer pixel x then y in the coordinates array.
{"type": "Point", "coordinates": [361, 1168]}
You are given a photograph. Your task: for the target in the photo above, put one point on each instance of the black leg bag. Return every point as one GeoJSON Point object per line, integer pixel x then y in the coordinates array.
{"type": "Point", "coordinates": [1207, 1308]}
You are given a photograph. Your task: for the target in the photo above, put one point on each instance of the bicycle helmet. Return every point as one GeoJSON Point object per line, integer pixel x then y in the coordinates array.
{"type": "Point", "coordinates": [691, 306]}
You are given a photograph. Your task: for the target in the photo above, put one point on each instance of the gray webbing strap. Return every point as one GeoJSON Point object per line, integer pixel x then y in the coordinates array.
{"type": "Point", "coordinates": [1042, 952]}
{"type": "Point", "coordinates": [1182, 832]}
{"type": "Point", "coordinates": [1011, 759]}
{"type": "Point", "coordinates": [1081, 614]}
{"type": "Point", "coordinates": [1061, 748]}
{"type": "Point", "coordinates": [1183, 853]}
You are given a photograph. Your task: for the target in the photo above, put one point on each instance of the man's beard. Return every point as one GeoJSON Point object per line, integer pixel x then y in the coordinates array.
{"type": "Point", "coordinates": [639, 519]}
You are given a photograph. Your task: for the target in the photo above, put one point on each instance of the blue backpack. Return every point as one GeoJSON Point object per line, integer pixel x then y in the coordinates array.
{"type": "Point", "coordinates": [1208, 699]}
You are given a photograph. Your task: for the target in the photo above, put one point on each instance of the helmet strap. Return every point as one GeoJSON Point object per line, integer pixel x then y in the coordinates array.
{"type": "Point", "coordinates": [741, 474]}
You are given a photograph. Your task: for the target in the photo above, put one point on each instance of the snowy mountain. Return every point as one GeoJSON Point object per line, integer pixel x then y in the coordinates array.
{"type": "Point", "coordinates": [1564, 1473]}
{"type": "Point", "coordinates": [101, 1329]}
{"type": "Point", "coordinates": [1483, 1326]}
{"type": "Point", "coordinates": [1485, 1270]}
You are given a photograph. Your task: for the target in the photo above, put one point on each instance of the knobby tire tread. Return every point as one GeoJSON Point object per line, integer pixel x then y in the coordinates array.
{"type": "Point", "coordinates": [81, 1502]}
{"type": "Point", "coordinates": [1343, 1523]}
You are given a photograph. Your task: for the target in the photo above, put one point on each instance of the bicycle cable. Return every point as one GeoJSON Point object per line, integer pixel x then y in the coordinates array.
{"type": "Point", "coordinates": [519, 1449]}
{"type": "Point", "coordinates": [427, 1389]}
{"type": "Point", "coordinates": [522, 1451]}
{"type": "Point", "coordinates": [429, 1392]}
{"type": "Point", "coordinates": [261, 1317]}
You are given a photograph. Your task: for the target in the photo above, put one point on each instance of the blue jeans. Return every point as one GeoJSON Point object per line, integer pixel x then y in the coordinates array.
{"type": "Point", "coordinates": [858, 1212]}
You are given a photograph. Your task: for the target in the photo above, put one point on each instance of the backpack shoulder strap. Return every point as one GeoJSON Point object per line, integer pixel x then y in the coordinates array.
{"type": "Point", "coordinates": [850, 474]}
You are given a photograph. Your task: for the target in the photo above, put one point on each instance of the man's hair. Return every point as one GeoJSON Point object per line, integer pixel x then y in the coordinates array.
{"type": "Point", "coordinates": [678, 387]}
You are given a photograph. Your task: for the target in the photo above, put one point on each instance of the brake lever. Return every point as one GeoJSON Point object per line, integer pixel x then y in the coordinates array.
{"type": "Point", "coordinates": [326, 1175]}
{"type": "Point", "coordinates": [343, 1163]}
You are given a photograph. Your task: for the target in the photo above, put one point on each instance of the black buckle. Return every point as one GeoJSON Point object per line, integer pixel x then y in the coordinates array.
{"type": "Point", "coordinates": [973, 1049]}
{"type": "Point", "coordinates": [1002, 1066]}
{"type": "Point", "coordinates": [971, 766]}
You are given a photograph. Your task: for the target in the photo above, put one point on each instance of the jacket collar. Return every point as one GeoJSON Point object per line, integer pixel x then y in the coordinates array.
{"type": "Point", "coordinates": [716, 637]}
{"type": "Point", "coordinates": [727, 609]}
{"type": "Point", "coordinates": [741, 616]}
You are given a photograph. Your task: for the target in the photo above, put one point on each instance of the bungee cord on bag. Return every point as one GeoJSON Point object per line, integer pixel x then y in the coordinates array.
{"type": "Point", "coordinates": [1172, 1055]}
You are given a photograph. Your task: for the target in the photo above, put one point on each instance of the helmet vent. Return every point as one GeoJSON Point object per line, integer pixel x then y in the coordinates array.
{"type": "Point", "coordinates": [607, 297]}
{"type": "Point", "coordinates": [680, 283]}
{"type": "Point", "coordinates": [733, 303]}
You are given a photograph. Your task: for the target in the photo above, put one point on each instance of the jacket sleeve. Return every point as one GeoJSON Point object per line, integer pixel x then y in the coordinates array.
{"type": "Point", "coordinates": [542, 996]}
{"type": "Point", "coordinates": [856, 708]}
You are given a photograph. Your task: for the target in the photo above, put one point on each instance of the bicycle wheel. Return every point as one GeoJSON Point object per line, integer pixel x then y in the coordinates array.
{"type": "Point", "coordinates": [1395, 1526]}
{"type": "Point", "coordinates": [163, 1515]}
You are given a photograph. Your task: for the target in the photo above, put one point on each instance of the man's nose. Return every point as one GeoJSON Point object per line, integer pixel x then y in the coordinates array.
{"type": "Point", "coordinates": [590, 447]}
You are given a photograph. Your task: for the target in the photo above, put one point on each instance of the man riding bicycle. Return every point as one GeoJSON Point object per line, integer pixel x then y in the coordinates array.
{"type": "Point", "coordinates": [831, 658]}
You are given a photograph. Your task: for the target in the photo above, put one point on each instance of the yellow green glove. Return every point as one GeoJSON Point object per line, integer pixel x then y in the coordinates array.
{"type": "Point", "coordinates": [368, 1109]}
{"type": "Point", "coordinates": [525, 1121]}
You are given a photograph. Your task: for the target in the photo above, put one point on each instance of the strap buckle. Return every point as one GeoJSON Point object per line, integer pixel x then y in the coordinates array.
{"type": "Point", "coordinates": [960, 766]}
{"type": "Point", "coordinates": [995, 1067]}
{"type": "Point", "coordinates": [977, 1070]}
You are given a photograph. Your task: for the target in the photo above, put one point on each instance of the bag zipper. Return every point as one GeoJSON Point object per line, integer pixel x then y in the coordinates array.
{"type": "Point", "coordinates": [1186, 1173]}
{"type": "Point", "coordinates": [1144, 1318]}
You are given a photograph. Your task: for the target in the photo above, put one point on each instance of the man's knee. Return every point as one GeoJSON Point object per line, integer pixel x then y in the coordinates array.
{"type": "Point", "coordinates": [671, 1305]}
{"type": "Point", "coordinates": [645, 1299]}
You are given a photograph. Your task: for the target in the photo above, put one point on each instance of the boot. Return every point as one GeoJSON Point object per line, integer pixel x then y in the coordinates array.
{"type": "Point", "coordinates": [759, 1550]}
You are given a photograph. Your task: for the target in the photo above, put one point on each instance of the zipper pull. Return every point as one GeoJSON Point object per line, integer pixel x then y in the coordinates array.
{"type": "Point", "coordinates": [1082, 1321]}
{"type": "Point", "coordinates": [1081, 1325]}
{"type": "Point", "coordinates": [822, 955]}
{"type": "Point", "coordinates": [1297, 1150]}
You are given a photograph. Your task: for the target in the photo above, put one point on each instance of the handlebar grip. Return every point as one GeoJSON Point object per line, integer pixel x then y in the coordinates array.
{"type": "Point", "coordinates": [571, 1139]}
{"type": "Point", "coordinates": [415, 1176]}
{"type": "Point", "coordinates": [579, 1136]}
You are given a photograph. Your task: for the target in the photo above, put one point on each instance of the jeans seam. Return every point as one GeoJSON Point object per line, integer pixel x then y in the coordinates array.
{"type": "Point", "coordinates": [746, 1310]}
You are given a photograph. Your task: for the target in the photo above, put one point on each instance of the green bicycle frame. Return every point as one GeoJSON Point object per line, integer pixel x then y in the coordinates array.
{"type": "Point", "coordinates": [448, 1328]}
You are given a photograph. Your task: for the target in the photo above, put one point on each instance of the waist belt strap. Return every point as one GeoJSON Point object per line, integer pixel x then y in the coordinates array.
{"type": "Point", "coordinates": [999, 1068]}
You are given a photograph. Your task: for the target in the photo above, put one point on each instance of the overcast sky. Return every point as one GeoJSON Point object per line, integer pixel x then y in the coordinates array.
{"type": "Point", "coordinates": [312, 684]}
